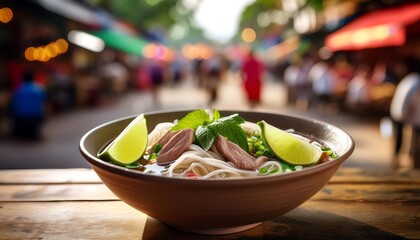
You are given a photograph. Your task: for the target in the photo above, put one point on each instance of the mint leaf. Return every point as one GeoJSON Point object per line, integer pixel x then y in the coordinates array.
{"type": "Point", "coordinates": [232, 119]}
{"type": "Point", "coordinates": [192, 120]}
{"type": "Point", "coordinates": [205, 137]}
{"type": "Point", "coordinates": [229, 127]}
{"type": "Point", "coordinates": [206, 129]}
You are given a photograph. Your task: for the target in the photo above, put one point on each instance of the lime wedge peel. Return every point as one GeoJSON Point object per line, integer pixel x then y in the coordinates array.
{"type": "Point", "coordinates": [129, 145]}
{"type": "Point", "coordinates": [289, 148]}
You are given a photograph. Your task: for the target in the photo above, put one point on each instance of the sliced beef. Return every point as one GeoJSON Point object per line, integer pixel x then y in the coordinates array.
{"type": "Point", "coordinates": [235, 154]}
{"type": "Point", "coordinates": [162, 140]}
{"type": "Point", "coordinates": [175, 146]}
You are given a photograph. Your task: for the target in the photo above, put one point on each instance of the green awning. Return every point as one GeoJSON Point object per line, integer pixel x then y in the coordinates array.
{"type": "Point", "coordinates": [120, 41]}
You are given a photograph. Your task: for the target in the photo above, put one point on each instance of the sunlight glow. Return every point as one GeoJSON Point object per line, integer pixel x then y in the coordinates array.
{"type": "Point", "coordinates": [220, 18]}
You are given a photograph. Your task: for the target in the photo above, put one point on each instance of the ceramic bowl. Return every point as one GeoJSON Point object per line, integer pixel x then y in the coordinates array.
{"type": "Point", "coordinates": [216, 206]}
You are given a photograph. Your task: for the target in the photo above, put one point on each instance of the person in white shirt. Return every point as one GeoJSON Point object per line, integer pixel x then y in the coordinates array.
{"type": "Point", "coordinates": [405, 110]}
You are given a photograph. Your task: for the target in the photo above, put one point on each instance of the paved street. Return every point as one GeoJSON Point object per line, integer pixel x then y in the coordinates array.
{"type": "Point", "coordinates": [59, 149]}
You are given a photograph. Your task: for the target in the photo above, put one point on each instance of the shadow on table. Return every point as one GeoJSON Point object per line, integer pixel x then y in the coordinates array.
{"type": "Point", "coordinates": [300, 223]}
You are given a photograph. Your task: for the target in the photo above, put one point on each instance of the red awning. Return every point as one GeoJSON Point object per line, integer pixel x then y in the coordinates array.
{"type": "Point", "coordinates": [382, 28]}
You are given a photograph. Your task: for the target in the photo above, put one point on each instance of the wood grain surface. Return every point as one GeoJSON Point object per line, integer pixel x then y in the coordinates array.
{"type": "Point", "coordinates": [74, 204]}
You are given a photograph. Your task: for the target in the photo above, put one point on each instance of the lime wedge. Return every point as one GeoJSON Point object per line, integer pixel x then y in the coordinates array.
{"type": "Point", "coordinates": [289, 148]}
{"type": "Point", "coordinates": [129, 145]}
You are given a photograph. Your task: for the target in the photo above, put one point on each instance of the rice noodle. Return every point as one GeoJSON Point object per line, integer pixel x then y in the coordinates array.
{"type": "Point", "coordinates": [207, 164]}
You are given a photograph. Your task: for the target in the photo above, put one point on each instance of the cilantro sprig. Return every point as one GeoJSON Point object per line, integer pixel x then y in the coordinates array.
{"type": "Point", "coordinates": [207, 129]}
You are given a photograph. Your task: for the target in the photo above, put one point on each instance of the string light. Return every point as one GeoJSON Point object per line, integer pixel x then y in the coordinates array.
{"type": "Point", "coordinates": [159, 52]}
{"type": "Point", "coordinates": [196, 51]}
{"type": "Point", "coordinates": [6, 15]}
{"type": "Point", "coordinates": [45, 53]}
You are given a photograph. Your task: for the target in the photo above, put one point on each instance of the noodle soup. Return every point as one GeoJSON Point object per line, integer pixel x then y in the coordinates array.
{"type": "Point", "coordinates": [216, 147]}
{"type": "Point", "coordinates": [213, 206]}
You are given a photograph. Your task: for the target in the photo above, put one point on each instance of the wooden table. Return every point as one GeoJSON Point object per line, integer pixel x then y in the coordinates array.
{"type": "Point", "coordinates": [74, 204]}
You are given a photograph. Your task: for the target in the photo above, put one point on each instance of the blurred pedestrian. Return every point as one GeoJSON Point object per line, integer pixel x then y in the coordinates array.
{"type": "Point", "coordinates": [61, 90]}
{"type": "Point", "coordinates": [28, 111]}
{"type": "Point", "coordinates": [290, 78]}
{"type": "Point", "coordinates": [358, 89]}
{"type": "Point", "coordinates": [157, 79]}
{"type": "Point", "coordinates": [213, 77]}
{"type": "Point", "coordinates": [199, 72]}
{"type": "Point", "coordinates": [322, 75]}
{"type": "Point", "coordinates": [176, 69]}
{"type": "Point", "coordinates": [405, 110]}
{"type": "Point", "coordinates": [252, 70]}
{"type": "Point", "coordinates": [299, 88]}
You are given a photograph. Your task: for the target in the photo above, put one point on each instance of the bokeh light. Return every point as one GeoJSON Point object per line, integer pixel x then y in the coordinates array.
{"type": "Point", "coordinates": [149, 50]}
{"type": "Point", "coordinates": [6, 15]}
{"type": "Point", "coordinates": [30, 54]}
{"type": "Point", "coordinates": [45, 53]}
{"type": "Point", "coordinates": [62, 45]}
{"type": "Point", "coordinates": [158, 52]}
{"type": "Point", "coordinates": [249, 35]}
{"type": "Point", "coordinates": [86, 41]}
{"type": "Point", "coordinates": [197, 51]}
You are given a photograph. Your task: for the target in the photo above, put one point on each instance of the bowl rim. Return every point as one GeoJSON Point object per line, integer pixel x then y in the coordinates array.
{"type": "Point", "coordinates": [119, 170]}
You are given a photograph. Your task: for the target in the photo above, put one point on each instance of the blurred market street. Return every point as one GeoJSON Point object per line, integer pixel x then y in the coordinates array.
{"type": "Point", "coordinates": [71, 65]}
{"type": "Point", "coordinates": [59, 148]}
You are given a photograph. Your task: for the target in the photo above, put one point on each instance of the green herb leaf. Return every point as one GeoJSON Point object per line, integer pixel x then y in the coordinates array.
{"type": "Point", "coordinates": [268, 170]}
{"type": "Point", "coordinates": [192, 120]}
{"type": "Point", "coordinates": [205, 137]}
{"type": "Point", "coordinates": [229, 127]}
{"type": "Point", "coordinates": [216, 114]}
{"type": "Point", "coordinates": [158, 147]}
{"type": "Point", "coordinates": [234, 119]}
{"type": "Point", "coordinates": [258, 147]}
{"type": "Point", "coordinates": [206, 129]}
{"type": "Point", "coordinates": [329, 152]}
{"type": "Point", "coordinates": [286, 166]}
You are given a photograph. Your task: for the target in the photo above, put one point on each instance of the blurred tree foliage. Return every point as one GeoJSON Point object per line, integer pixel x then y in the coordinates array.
{"type": "Point", "coordinates": [153, 16]}
{"type": "Point", "coordinates": [143, 14]}
{"type": "Point", "coordinates": [250, 14]}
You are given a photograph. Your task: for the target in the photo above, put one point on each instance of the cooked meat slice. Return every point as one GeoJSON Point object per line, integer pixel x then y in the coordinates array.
{"type": "Point", "coordinates": [235, 154]}
{"type": "Point", "coordinates": [162, 140]}
{"type": "Point", "coordinates": [176, 145]}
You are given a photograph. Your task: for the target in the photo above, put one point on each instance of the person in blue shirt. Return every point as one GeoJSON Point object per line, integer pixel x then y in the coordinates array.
{"type": "Point", "coordinates": [28, 111]}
